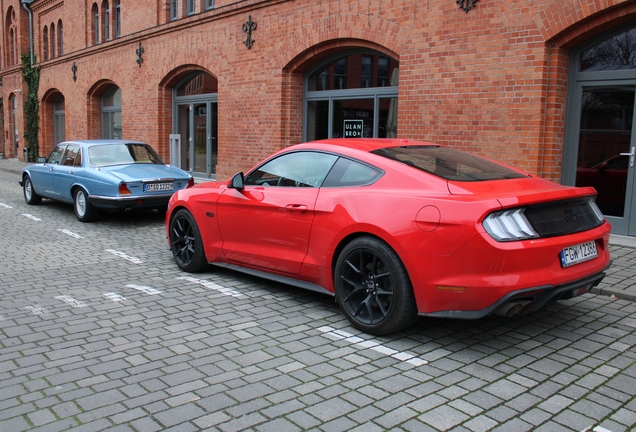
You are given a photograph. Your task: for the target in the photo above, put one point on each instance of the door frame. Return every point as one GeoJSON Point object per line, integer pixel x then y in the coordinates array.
{"type": "Point", "coordinates": [209, 100]}
{"type": "Point", "coordinates": [576, 81]}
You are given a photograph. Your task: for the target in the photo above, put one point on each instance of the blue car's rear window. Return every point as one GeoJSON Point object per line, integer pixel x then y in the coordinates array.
{"type": "Point", "coordinates": [119, 154]}
{"type": "Point", "coordinates": [448, 163]}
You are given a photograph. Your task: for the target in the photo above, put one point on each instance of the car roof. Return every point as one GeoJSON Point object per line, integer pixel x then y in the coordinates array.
{"type": "Point", "coordinates": [365, 144]}
{"type": "Point", "coordinates": [101, 142]}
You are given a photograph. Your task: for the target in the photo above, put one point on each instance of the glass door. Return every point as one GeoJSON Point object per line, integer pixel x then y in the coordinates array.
{"type": "Point", "coordinates": [200, 116]}
{"type": "Point", "coordinates": [606, 151]}
{"type": "Point", "coordinates": [197, 125]}
{"type": "Point", "coordinates": [183, 129]}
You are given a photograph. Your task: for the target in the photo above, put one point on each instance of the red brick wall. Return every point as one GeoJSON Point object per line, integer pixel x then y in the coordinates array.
{"type": "Point", "coordinates": [491, 81]}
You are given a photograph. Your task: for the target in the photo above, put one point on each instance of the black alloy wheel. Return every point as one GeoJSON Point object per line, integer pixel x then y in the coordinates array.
{"type": "Point", "coordinates": [373, 288]}
{"type": "Point", "coordinates": [186, 243]}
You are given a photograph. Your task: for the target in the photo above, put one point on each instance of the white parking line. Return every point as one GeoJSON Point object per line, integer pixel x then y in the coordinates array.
{"type": "Point", "coordinates": [407, 357]}
{"type": "Point", "coordinates": [7, 206]}
{"type": "Point", "coordinates": [114, 297]}
{"type": "Point", "coordinates": [37, 310]}
{"type": "Point", "coordinates": [211, 285]}
{"type": "Point", "coordinates": [71, 301]}
{"type": "Point", "coordinates": [72, 234]}
{"type": "Point", "coordinates": [30, 216]}
{"type": "Point", "coordinates": [124, 256]}
{"type": "Point", "coordinates": [595, 429]}
{"type": "Point", "coordinates": [145, 289]}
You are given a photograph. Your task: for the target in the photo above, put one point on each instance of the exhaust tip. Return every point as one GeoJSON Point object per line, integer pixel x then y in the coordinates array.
{"type": "Point", "coordinates": [509, 309]}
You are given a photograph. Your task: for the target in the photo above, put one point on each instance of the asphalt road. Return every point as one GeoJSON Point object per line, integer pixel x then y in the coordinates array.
{"type": "Point", "coordinates": [99, 330]}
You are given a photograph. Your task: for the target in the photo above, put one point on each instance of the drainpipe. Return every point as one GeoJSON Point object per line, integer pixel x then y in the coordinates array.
{"type": "Point", "coordinates": [24, 5]}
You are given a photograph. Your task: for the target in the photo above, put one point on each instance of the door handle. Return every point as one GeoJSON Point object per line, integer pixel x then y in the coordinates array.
{"type": "Point", "coordinates": [296, 208]}
{"type": "Point", "coordinates": [631, 156]}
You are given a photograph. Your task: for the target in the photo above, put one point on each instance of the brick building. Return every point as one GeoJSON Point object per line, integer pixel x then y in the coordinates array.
{"type": "Point", "coordinates": [215, 85]}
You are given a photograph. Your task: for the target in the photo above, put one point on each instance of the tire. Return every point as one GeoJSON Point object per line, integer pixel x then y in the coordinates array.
{"type": "Point", "coordinates": [373, 288]}
{"type": "Point", "coordinates": [186, 243]}
{"type": "Point", "coordinates": [84, 210]}
{"type": "Point", "coordinates": [30, 196]}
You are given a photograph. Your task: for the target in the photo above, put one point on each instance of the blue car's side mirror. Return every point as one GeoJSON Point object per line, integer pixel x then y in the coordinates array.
{"type": "Point", "coordinates": [41, 159]}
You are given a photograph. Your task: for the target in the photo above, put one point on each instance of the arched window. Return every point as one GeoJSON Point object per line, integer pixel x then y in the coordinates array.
{"type": "Point", "coordinates": [95, 11]}
{"type": "Point", "coordinates": [12, 42]}
{"type": "Point", "coordinates": [60, 39]}
{"type": "Point", "coordinates": [12, 34]}
{"type": "Point", "coordinates": [352, 94]}
{"type": "Point", "coordinates": [117, 18]}
{"type": "Point", "coordinates": [59, 126]}
{"type": "Point", "coordinates": [111, 113]}
{"type": "Point", "coordinates": [45, 43]}
{"type": "Point", "coordinates": [53, 46]}
{"type": "Point", "coordinates": [106, 19]}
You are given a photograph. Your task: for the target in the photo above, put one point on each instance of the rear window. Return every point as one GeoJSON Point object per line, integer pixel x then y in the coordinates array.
{"type": "Point", "coordinates": [448, 163]}
{"type": "Point", "coordinates": [121, 154]}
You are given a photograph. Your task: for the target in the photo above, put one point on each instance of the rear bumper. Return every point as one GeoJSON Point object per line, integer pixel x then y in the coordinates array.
{"type": "Point", "coordinates": [536, 298]}
{"type": "Point", "coordinates": [122, 203]}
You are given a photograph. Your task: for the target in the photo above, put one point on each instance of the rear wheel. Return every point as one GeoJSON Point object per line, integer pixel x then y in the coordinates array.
{"type": "Point", "coordinates": [186, 243]}
{"type": "Point", "coordinates": [373, 288]}
{"type": "Point", "coordinates": [30, 196]}
{"type": "Point", "coordinates": [84, 210]}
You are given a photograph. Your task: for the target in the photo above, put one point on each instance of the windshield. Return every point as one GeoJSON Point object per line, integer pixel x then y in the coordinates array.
{"type": "Point", "coordinates": [119, 154]}
{"type": "Point", "coordinates": [449, 164]}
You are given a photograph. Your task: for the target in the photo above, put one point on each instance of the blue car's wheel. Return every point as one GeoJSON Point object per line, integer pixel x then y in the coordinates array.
{"type": "Point", "coordinates": [186, 243]}
{"type": "Point", "coordinates": [30, 196]}
{"type": "Point", "coordinates": [84, 210]}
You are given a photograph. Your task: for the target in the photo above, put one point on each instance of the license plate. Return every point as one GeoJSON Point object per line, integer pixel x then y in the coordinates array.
{"type": "Point", "coordinates": [578, 253]}
{"type": "Point", "coordinates": [157, 187]}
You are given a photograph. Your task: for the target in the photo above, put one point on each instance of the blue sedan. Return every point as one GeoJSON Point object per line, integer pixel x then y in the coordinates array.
{"type": "Point", "coordinates": [108, 175]}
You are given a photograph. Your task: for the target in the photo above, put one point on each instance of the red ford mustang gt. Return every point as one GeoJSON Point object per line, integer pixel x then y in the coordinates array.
{"type": "Point", "coordinates": [395, 229]}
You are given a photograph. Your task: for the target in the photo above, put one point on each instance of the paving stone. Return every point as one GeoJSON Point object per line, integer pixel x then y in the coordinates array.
{"type": "Point", "coordinates": [192, 359]}
{"type": "Point", "coordinates": [443, 417]}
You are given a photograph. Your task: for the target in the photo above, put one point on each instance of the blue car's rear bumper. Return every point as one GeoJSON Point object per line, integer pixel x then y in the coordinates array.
{"type": "Point", "coordinates": [123, 203]}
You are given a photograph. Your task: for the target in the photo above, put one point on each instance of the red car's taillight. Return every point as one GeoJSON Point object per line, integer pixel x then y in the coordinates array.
{"type": "Point", "coordinates": [190, 183]}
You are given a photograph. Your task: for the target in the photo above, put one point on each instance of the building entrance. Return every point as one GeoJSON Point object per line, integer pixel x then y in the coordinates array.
{"type": "Point", "coordinates": [600, 146]}
{"type": "Point", "coordinates": [196, 122]}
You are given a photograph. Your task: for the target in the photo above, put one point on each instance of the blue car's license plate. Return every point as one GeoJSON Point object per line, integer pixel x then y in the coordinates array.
{"type": "Point", "coordinates": [158, 187]}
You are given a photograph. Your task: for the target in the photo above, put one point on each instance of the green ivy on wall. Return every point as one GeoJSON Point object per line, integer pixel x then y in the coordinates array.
{"type": "Point", "coordinates": [31, 106]}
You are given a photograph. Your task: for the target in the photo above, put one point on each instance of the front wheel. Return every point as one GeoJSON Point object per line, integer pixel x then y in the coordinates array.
{"type": "Point", "coordinates": [373, 288]}
{"type": "Point", "coordinates": [30, 196]}
{"type": "Point", "coordinates": [186, 243]}
{"type": "Point", "coordinates": [84, 210]}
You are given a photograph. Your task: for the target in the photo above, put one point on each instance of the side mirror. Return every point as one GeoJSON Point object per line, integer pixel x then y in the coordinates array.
{"type": "Point", "coordinates": [237, 182]}
{"type": "Point", "coordinates": [41, 159]}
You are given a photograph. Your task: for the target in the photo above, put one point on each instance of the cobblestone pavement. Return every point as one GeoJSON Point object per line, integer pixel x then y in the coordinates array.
{"type": "Point", "coordinates": [99, 330]}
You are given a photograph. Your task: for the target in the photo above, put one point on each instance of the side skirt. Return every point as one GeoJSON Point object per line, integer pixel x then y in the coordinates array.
{"type": "Point", "coordinates": [276, 278]}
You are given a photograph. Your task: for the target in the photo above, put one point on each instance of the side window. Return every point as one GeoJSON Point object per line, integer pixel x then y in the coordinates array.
{"type": "Point", "coordinates": [70, 157]}
{"type": "Point", "coordinates": [347, 172]}
{"type": "Point", "coordinates": [56, 155]}
{"type": "Point", "coordinates": [298, 169]}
